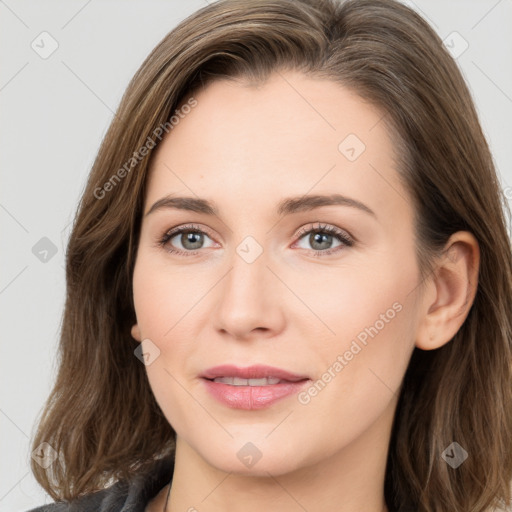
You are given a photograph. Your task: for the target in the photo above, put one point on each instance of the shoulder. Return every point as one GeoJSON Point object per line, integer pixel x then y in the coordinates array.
{"type": "Point", "coordinates": [123, 496]}
{"type": "Point", "coordinates": [110, 499]}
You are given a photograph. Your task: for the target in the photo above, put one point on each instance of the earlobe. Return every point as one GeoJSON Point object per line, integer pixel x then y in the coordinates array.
{"type": "Point", "coordinates": [136, 332]}
{"type": "Point", "coordinates": [455, 282]}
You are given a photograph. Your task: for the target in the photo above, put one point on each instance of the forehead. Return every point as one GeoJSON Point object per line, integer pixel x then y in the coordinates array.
{"type": "Point", "coordinates": [290, 135]}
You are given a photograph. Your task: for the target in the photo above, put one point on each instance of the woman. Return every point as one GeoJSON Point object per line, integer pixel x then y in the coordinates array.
{"type": "Point", "coordinates": [289, 278]}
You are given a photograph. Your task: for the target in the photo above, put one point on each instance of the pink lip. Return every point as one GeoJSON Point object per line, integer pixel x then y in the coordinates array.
{"type": "Point", "coordinates": [251, 372]}
{"type": "Point", "coordinates": [252, 397]}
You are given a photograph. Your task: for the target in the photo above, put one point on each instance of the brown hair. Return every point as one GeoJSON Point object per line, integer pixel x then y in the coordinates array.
{"type": "Point", "coordinates": [102, 416]}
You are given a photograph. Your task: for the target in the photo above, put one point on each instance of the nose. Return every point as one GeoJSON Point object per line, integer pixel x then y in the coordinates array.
{"type": "Point", "coordinates": [249, 299]}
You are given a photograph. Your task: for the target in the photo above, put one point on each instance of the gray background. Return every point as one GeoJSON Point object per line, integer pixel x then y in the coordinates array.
{"type": "Point", "coordinates": [55, 111]}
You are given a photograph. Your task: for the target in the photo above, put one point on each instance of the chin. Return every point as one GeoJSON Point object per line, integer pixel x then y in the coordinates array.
{"type": "Point", "coordinates": [254, 458]}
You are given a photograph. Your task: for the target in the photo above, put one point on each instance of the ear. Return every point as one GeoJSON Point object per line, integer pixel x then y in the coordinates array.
{"type": "Point", "coordinates": [451, 293]}
{"type": "Point", "coordinates": [136, 332]}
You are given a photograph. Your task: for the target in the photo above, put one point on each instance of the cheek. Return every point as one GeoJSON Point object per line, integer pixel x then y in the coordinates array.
{"type": "Point", "coordinates": [165, 303]}
{"type": "Point", "coordinates": [368, 325]}
{"type": "Point", "coordinates": [360, 375]}
{"type": "Point", "coordinates": [359, 300]}
{"type": "Point", "coordinates": [162, 296]}
{"type": "Point", "coordinates": [161, 303]}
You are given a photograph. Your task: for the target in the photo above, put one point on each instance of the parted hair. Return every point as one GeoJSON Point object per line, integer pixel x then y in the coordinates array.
{"type": "Point", "coordinates": [101, 415]}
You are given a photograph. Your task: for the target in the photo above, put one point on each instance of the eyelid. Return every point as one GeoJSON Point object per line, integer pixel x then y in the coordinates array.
{"type": "Point", "coordinates": [188, 227]}
{"type": "Point", "coordinates": [324, 227]}
{"type": "Point", "coordinates": [345, 238]}
{"type": "Point", "coordinates": [172, 232]}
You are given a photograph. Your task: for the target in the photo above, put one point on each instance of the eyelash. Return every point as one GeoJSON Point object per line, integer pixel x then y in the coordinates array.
{"type": "Point", "coordinates": [343, 237]}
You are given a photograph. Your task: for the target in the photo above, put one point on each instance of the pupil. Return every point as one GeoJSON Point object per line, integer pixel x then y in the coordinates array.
{"type": "Point", "coordinates": [189, 237]}
{"type": "Point", "coordinates": [318, 237]}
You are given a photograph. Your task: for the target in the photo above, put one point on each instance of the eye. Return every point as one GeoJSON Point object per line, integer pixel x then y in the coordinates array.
{"type": "Point", "coordinates": [185, 240]}
{"type": "Point", "coordinates": [322, 237]}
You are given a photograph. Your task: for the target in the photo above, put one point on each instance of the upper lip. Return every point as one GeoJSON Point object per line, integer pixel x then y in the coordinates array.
{"type": "Point", "coordinates": [251, 372]}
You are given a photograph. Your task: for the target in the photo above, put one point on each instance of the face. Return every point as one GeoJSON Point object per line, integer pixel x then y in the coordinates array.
{"type": "Point", "coordinates": [323, 289]}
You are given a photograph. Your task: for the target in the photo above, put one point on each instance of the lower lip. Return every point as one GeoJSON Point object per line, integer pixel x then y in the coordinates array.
{"type": "Point", "coordinates": [252, 397]}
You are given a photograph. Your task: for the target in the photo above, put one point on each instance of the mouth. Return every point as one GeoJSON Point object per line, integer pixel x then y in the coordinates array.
{"type": "Point", "coordinates": [237, 381]}
{"type": "Point", "coordinates": [256, 375]}
{"type": "Point", "coordinates": [253, 387]}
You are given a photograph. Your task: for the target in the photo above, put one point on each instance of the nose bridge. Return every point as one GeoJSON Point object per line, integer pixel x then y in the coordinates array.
{"type": "Point", "coordinates": [247, 281]}
{"type": "Point", "coordinates": [246, 297]}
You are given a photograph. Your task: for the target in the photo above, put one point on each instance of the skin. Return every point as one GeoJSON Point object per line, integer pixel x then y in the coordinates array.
{"type": "Point", "coordinates": [247, 148]}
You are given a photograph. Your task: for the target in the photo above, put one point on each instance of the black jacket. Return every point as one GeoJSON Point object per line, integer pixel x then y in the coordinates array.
{"type": "Point", "coordinates": [123, 496]}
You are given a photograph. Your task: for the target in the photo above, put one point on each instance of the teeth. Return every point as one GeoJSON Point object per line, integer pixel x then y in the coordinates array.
{"type": "Point", "coordinates": [236, 381]}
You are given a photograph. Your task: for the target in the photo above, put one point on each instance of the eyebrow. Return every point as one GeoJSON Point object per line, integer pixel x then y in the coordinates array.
{"type": "Point", "coordinates": [287, 206]}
